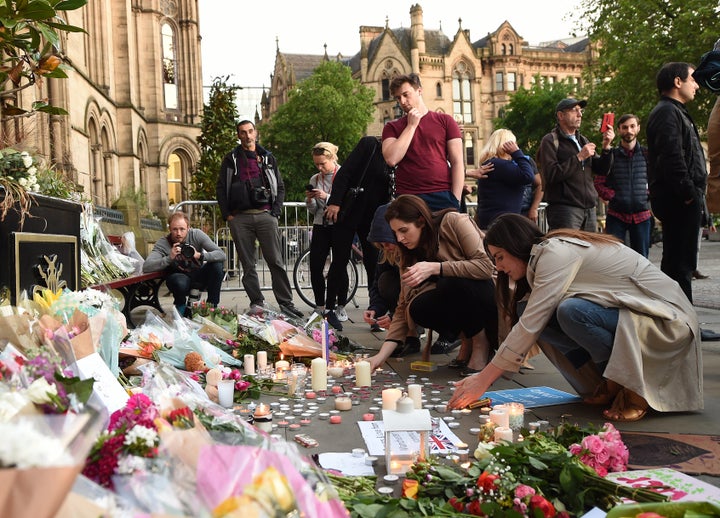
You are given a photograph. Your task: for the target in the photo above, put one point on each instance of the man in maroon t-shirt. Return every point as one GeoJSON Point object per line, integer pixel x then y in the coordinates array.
{"type": "Point", "coordinates": [420, 145]}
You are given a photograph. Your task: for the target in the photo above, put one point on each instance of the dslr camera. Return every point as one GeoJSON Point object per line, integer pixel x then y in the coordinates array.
{"type": "Point", "coordinates": [260, 195]}
{"type": "Point", "coordinates": [187, 251]}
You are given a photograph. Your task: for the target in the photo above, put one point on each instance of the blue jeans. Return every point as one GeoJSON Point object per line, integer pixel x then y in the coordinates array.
{"type": "Point", "coordinates": [582, 331]}
{"type": "Point", "coordinates": [568, 216]}
{"type": "Point", "coordinates": [639, 233]}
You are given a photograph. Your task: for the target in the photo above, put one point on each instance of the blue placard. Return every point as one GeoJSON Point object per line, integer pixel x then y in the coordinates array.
{"type": "Point", "coordinates": [532, 397]}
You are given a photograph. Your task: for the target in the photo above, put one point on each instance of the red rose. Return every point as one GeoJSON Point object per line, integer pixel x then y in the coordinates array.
{"type": "Point", "coordinates": [540, 502]}
{"type": "Point", "coordinates": [474, 508]}
{"type": "Point", "coordinates": [486, 482]}
{"type": "Point", "coordinates": [456, 504]}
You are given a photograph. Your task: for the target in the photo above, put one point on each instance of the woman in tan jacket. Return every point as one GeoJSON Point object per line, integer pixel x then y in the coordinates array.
{"type": "Point", "coordinates": [445, 276]}
{"type": "Point", "coordinates": [596, 307]}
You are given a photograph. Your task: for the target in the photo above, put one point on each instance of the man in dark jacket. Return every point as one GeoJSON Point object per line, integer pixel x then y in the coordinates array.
{"type": "Point", "coordinates": [676, 172]}
{"type": "Point", "coordinates": [566, 160]}
{"type": "Point", "coordinates": [621, 180]}
{"type": "Point", "coordinates": [250, 193]}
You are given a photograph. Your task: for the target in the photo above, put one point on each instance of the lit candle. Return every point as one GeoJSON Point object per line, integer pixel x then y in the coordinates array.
{"type": "Point", "coordinates": [249, 364]}
{"type": "Point", "coordinates": [318, 372]}
{"type": "Point", "coordinates": [500, 417]}
{"type": "Point", "coordinates": [362, 374]}
{"type": "Point", "coordinates": [390, 397]}
{"type": "Point", "coordinates": [415, 393]}
{"type": "Point", "coordinates": [282, 364]}
{"type": "Point", "coordinates": [263, 418]}
{"type": "Point", "coordinates": [516, 415]}
{"type": "Point", "coordinates": [262, 360]}
{"type": "Point", "coordinates": [343, 403]}
{"type": "Point", "coordinates": [503, 433]}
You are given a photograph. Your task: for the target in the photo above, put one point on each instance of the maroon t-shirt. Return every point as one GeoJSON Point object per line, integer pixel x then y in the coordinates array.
{"type": "Point", "coordinates": [424, 168]}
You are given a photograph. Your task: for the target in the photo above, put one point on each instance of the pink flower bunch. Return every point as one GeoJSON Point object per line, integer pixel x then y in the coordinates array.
{"type": "Point", "coordinates": [604, 452]}
{"type": "Point", "coordinates": [241, 385]}
{"type": "Point", "coordinates": [132, 431]}
{"type": "Point", "coordinates": [317, 336]}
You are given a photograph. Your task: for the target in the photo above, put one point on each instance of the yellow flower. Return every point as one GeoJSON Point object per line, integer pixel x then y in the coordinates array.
{"type": "Point", "coordinates": [272, 486]}
{"type": "Point", "coordinates": [410, 488]}
{"type": "Point", "coordinates": [45, 298]}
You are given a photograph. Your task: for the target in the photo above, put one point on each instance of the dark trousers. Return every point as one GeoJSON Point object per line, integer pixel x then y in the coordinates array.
{"type": "Point", "coordinates": [457, 305]}
{"type": "Point", "coordinates": [325, 238]}
{"type": "Point", "coordinates": [388, 285]}
{"type": "Point", "coordinates": [208, 277]}
{"type": "Point", "coordinates": [680, 229]}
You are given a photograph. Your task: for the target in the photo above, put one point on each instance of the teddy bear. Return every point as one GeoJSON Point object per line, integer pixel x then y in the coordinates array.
{"type": "Point", "coordinates": [212, 378]}
{"type": "Point", "coordinates": [194, 362]}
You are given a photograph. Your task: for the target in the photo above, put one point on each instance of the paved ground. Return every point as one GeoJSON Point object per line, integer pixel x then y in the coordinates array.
{"type": "Point", "coordinates": [707, 301]}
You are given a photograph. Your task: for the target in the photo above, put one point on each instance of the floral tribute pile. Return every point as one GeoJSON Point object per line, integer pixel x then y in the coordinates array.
{"type": "Point", "coordinates": [551, 474]}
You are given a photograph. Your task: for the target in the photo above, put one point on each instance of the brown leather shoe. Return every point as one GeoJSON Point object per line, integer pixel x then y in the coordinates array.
{"type": "Point", "coordinates": [697, 274]}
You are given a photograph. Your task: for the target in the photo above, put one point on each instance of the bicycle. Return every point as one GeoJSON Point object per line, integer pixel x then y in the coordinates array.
{"type": "Point", "coordinates": [301, 274]}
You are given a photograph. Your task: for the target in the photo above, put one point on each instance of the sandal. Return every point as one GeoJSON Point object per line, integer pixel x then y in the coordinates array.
{"type": "Point", "coordinates": [628, 406]}
{"type": "Point", "coordinates": [457, 364]}
{"type": "Point", "coordinates": [604, 394]}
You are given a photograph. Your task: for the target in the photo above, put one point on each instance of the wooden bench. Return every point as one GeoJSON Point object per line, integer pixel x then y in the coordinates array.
{"type": "Point", "coordinates": [137, 290]}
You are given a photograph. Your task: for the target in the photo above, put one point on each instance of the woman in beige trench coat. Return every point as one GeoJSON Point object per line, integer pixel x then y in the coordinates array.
{"type": "Point", "coordinates": [595, 307]}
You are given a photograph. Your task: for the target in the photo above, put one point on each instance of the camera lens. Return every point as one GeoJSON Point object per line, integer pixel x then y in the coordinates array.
{"type": "Point", "coordinates": [187, 251]}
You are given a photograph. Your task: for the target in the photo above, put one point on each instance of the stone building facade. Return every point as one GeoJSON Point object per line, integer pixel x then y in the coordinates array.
{"type": "Point", "coordinates": [134, 98]}
{"type": "Point", "coordinates": [472, 80]}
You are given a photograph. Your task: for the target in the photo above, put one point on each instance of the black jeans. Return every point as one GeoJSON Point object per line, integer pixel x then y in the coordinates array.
{"type": "Point", "coordinates": [208, 277]}
{"type": "Point", "coordinates": [325, 238]}
{"type": "Point", "coordinates": [457, 305]}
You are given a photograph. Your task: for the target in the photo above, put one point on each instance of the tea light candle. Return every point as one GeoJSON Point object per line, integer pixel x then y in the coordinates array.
{"type": "Point", "coordinates": [310, 395]}
{"type": "Point", "coordinates": [335, 371]}
{"type": "Point", "coordinates": [503, 433]}
{"type": "Point", "coordinates": [363, 376]}
{"type": "Point", "coordinates": [343, 403]}
{"type": "Point", "coordinates": [319, 374]}
{"type": "Point", "coordinates": [500, 417]}
{"type": "Point", "coordinates": [335, 419]}
{"type": "Point", "coordinates": [516, 415]}
{"type": "Point", "coordinates": [390, 397]}
{"type": "Point", "coordinates": [390, 479]}
{"type": "Point", "coordinates": [336, 389]}
{"type": "Point", "coordinates": [415, 393]}
{"type": "Point", "coordinates": [324, 416]}
{"type": "Point", "coordinates": [368, 417]}
{"type": "Point", "coordinates": [249, 364]}
{"type": "Point", "coordinates": [262, 360]}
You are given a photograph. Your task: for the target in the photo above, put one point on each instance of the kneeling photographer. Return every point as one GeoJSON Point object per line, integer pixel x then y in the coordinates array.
{"type": "Point", "coordinates": [192, 261]}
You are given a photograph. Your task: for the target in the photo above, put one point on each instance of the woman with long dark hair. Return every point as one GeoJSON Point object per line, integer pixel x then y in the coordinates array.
{"type": "Point", "coordinates": [621, 332]}
{"type": "Point", "coordinates": [445, 276]}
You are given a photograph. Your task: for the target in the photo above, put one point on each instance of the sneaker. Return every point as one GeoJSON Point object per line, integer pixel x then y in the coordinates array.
{"type": "Point", "coordinates": [444, 346]}
{"type": "Point", "coordinates": [411, 346]}
{"type": "Point", "coordinates": [257, 309]}
{"type": "Point", "coordinates": [332, 319]}
{"type": "Point", "coordinates": [289, 309]}
{"type": "Point", "coordinates": [341, 314]}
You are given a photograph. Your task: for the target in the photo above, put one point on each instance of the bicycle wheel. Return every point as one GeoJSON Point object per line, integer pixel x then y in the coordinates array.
{"type": "Point", "coordinates": [301, 277]}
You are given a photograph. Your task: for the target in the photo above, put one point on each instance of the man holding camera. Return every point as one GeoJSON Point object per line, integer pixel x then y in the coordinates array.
{"type": "Point", "coordinates": [192, 260]}
{"type": "Point", "coordinates": [250, 193]}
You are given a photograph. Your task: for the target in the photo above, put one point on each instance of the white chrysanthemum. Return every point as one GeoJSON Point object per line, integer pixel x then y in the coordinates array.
{"type": "Point", "coordinates": [24, 447]}
{"type": "Point", "coordinates": [129, 464]}
{"type": "Point", "coordinates": [26, 158]}
{"type": "Point", "coordinates": [32, 170]}
{"type": "Point", "coordinates": [23, 181]}
{"type": "Point", "coordinates": [141, 434]}
{"type": "Point", "coordinates": [40, 391]}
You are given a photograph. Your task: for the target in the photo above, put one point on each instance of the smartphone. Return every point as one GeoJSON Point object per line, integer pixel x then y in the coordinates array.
{"type": "Point", "coordinates": [309, 187]}
{"type": "Point", "coordinates": [608, 121]}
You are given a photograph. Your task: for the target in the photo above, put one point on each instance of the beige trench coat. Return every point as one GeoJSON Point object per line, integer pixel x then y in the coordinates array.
{"type": "Point", "coordinates": [656, 351]}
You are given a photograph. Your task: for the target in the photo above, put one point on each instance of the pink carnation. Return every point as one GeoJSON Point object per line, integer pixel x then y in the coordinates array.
{"type": "Point", "coordinates": [521, 491]}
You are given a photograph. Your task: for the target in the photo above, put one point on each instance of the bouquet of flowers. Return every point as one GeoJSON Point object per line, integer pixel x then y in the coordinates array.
{"type": "Point", "coordinates": [18, 176]}
{"type": "Point", "coordinates": [604, 452]}
{"type": "Point", "coordinates": [224, 317]}
{"type": "Point", "coordinates": [100, 261]}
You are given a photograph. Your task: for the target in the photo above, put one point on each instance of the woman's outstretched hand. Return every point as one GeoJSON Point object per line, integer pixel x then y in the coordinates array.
{"type": "Point", "coordinates": [472, 388]}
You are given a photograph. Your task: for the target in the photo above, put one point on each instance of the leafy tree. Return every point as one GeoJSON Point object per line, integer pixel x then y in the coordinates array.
{"type": "Point", "coordinates": [530, 114]}
{"type": "Point", "coordinates": [217, 138]}
{"type": "Point", "coordinates": [328, 106]}
{"type": "Point", "coordinates": [635, 38]}
{"type": "Point", "coordinates": [30, 48]}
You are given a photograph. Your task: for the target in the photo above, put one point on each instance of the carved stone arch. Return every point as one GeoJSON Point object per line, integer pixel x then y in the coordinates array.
{"type": "Point", "coordinates": [178, 159]}
{"type": "Point", "coordinates": [141, 151]}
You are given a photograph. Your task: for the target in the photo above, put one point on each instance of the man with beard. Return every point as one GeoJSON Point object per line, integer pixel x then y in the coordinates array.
{"type": "Point", "coordinates": [621, 181]}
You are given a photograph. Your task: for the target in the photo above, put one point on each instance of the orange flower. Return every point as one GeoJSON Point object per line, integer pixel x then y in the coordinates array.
{"type": "Point", "coordinates": [486, 482]}
{"type": "Point", "coordinates": [410, 488]}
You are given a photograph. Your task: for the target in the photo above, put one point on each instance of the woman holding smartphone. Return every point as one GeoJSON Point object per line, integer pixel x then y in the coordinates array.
{"type": "Point", "coordinates": [324, 239]}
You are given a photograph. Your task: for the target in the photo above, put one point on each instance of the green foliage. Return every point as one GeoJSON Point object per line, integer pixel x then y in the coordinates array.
{"type": "Point", "coordinates": [30, 46]}
{"type": "Point", "coordinates": [530, 114]}
{"type": "Point", "coordinates": [218, 138]}
{"type": "Point", "coordinates": [636, 38]}
{"type": "Point", "coordinates": [328, 106]}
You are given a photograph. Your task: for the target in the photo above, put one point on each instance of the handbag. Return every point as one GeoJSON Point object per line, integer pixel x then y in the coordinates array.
{"type": "Point", "coordinates": [352, 194]}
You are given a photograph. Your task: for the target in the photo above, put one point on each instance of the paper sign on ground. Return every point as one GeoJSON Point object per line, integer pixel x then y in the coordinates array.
{"type": "Point", "coordinates": [346, 463]}
{"type": "Point", "coordinates": [373, 433]}
{"type": "Point", "coordinates": [532, 397]}
{"type": "Point", "coordinates": [106, 388]}
{"type": "Point", "coordinates": [678, 486]}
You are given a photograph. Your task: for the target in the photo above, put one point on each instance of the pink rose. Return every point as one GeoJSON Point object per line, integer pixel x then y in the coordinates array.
{"type": "Point", "coordinates": [521, 491]}
{"type": "Point", "coordinates": [593, 443]}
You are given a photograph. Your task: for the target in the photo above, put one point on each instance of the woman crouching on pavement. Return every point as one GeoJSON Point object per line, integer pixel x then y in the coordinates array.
{"type": "Point", "coordinates": [445, 277]}
{"type": "Point", "coordinates": [596, 308]}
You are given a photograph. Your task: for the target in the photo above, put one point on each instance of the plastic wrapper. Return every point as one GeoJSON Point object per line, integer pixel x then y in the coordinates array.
{"type": "Point", "coordinates": [174, 342]}
{"type": "Point", "coordinates": [41, 456]}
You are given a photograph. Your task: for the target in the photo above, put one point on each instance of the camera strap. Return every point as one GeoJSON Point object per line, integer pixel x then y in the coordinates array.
{"type": "Point", "coordinates": [367, 164]}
